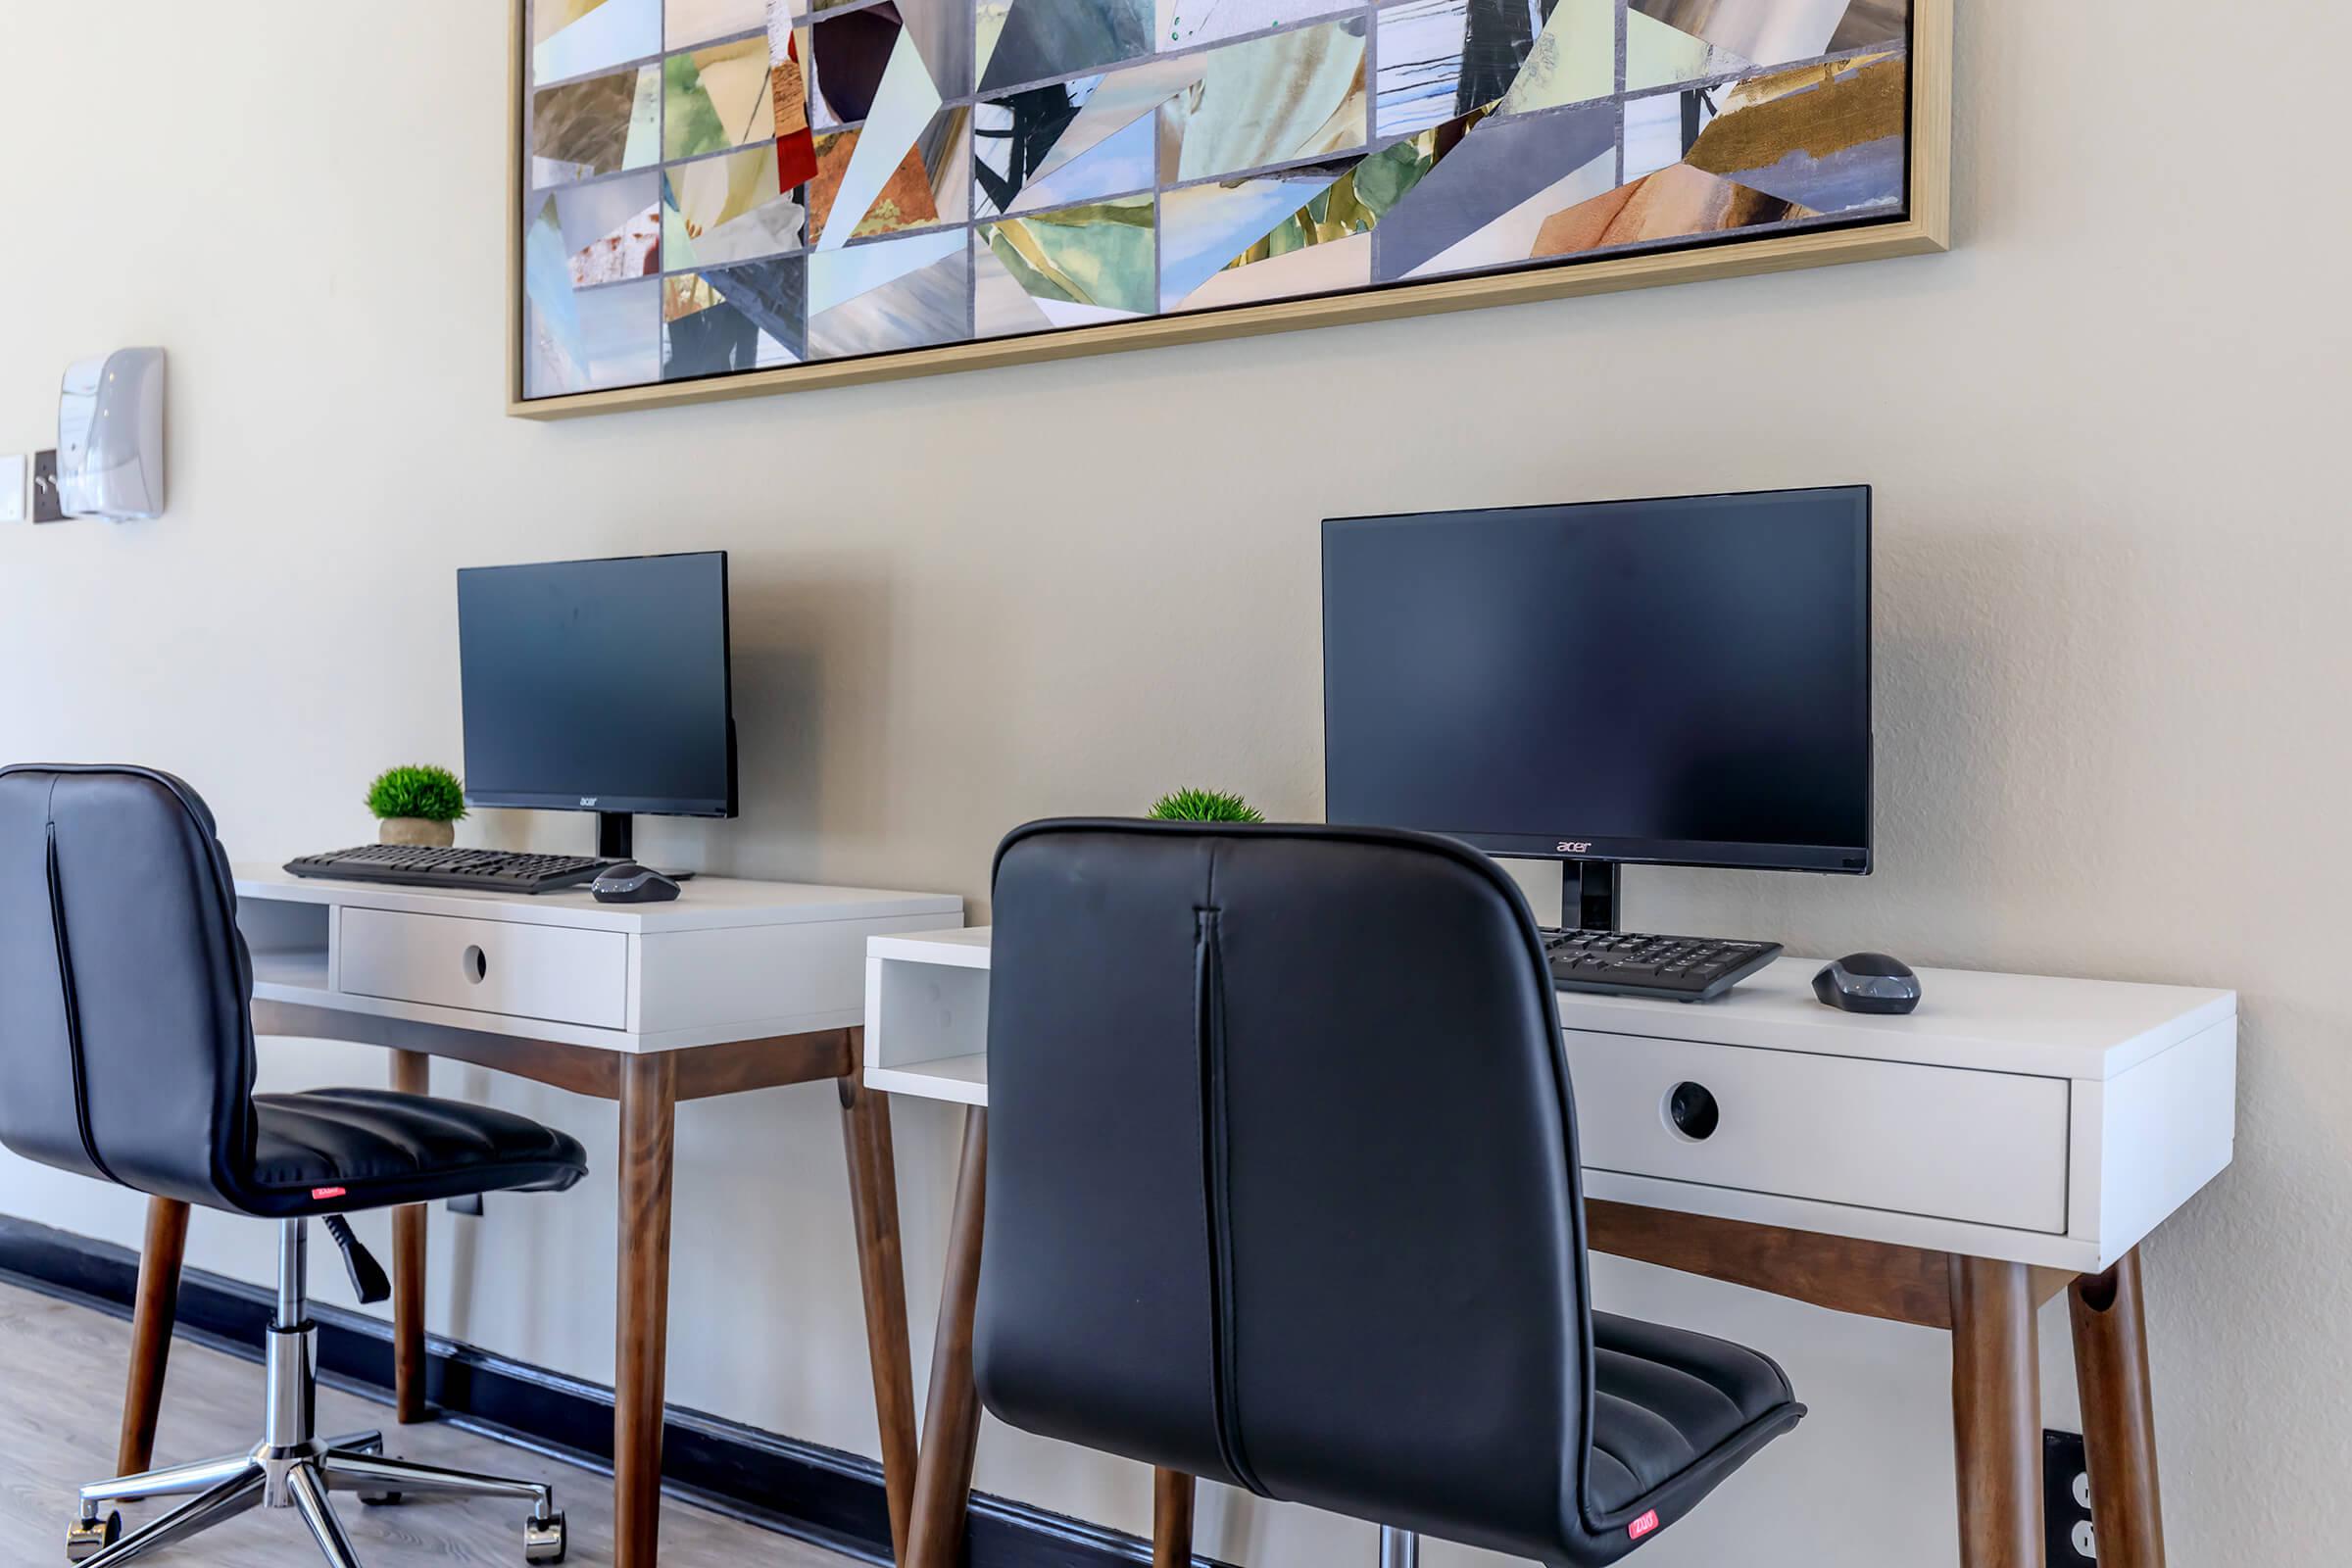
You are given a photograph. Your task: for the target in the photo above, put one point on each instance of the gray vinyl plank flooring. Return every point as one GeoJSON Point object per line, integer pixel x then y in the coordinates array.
{"type": "Point", "coordinates": [61, 1399]}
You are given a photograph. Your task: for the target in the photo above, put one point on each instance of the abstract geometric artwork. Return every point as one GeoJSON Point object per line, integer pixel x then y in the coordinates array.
{"type": "Point", "coordinates": [715, 188]}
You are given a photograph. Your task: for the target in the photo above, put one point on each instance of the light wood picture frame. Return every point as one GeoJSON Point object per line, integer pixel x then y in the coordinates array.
{"type": "Point", "coordinates": [1919, 223]}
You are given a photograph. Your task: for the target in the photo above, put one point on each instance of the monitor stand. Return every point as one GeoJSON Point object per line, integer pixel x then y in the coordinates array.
{"type": "Point", "coordinates": [616, 840]}
{"type": "Point", "coordinates": [1588, 895]}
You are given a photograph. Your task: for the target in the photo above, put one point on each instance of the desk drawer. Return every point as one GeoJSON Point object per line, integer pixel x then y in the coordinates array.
{"type": "Point", "coordinates": [1983, 1147]}
{"type": "Point", "coordinates": [561, 973]}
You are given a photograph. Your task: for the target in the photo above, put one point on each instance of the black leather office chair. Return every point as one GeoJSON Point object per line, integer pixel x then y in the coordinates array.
{"type": "Point", "coordinates": [126, 1054]}
{"type": "Point", "coordinates": [1283, 1191]}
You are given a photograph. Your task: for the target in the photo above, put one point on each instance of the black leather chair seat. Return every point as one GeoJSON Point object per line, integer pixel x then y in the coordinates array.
{"type": "Point", "coordinates": [1670, 1405]}
{"type": "Point", "coordinates": [374, 1148]}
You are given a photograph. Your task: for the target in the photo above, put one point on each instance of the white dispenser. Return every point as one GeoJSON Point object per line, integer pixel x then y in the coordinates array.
{"type": "Point", "coordinates": [110, 436]}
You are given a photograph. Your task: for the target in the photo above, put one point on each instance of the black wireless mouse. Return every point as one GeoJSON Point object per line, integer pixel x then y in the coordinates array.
{"type": "Point", "coordinates": [1867, 982]}
{"type": "Point", "coordinates": [631, 883]}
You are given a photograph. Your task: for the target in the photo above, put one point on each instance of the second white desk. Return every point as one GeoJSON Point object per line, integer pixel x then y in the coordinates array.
{"type": "Point", "coordinates": [2016, 1136]}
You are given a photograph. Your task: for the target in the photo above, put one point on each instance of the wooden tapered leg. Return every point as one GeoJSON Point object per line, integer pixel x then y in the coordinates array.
{"type": "Point", "coordinates": [882, 1273]}
{"type": "Point", "coordinates": [649, 1087]}
{"type": "Point", "coordinates": [1997, 1414]}
{"type": "Point", "coordinates": [412, 1074]}
{"type": "Point", "coordinates": [1171, 1519]}
{"type": "Point", "coordinates": [2118, 1415]}
{"type": "Point", "coordinates": [942, 1478]}
{"type": "Point", "coordinates": [151, 1320]}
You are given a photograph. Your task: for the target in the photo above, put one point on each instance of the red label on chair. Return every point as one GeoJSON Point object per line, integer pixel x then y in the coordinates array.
{"type": "Point", "coordinates": [1643, 1525]}
{"type": "Point", "coordinates": [320, 1194]}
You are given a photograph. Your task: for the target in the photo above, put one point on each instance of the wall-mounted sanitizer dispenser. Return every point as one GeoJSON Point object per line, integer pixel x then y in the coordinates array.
{"type": "Point", "coordinates": [110, 436]}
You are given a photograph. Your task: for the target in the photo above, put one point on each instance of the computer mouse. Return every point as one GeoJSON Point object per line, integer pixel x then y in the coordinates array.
{"type": "Point", "coordinates": [631, 883]}
{"type": "Point", "coordinates": [1867, 982]}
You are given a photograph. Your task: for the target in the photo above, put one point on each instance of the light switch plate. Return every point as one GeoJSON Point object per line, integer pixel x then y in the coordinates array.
{"type": "Point", "coordinates": [12, 488]}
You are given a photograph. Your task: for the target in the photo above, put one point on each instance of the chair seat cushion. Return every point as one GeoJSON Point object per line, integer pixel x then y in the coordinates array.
{"type": "Point", "coordinates": [1670, 1405]}
{"type": "Point", "coordinates": [333, 1149]}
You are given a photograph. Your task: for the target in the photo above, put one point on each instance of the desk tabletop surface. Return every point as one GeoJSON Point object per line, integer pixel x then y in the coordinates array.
{"type": "Point", "coordinates": [2039, 1024]}
{"type": "Point", "coordinates": [2030, 1023]}
{"type": "Point", "coordinates": [705, 902]}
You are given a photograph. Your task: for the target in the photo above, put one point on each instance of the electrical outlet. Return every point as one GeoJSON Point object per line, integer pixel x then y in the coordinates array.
{"type": "Point", "coordinates": [47, 504]}
{"type": "Point", "coordinates": [2066, 1502]}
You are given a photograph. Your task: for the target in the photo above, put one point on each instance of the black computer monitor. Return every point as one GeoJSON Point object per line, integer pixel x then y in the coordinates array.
{"type": "Point", "coordinates": [599, 686]}
{"type": "Point", "coordinates": [1677, 681]}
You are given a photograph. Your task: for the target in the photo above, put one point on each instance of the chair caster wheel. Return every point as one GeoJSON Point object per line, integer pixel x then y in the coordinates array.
{"type": "Point", "coordinates": [90, 1536]}
{"type": "Point", "coordinates": [545, 1540]}
{"type": "Point", "coordinates": [378, 1499]}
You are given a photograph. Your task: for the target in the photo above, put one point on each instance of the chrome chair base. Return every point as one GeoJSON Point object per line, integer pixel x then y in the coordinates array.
{"type": "Point", "coordinates": [302, 1480]}
{"type": "Point", "coordinates": [289, 1468]}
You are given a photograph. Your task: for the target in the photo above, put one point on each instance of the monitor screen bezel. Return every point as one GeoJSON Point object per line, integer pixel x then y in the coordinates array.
{"type": "Point", "coordinates": [624, 805]}
{"type": "Point", "coordinates": [1709, 854]}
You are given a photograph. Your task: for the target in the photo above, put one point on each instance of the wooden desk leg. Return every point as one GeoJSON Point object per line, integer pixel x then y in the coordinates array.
{"type": "Point", "coordinates": [942, 1479]}
{"type": "Point", "coordinates": [158, 1304]}
{"type": "Point", "coordinates": [1171, 1519]}
{"type": "Point", "coordinates": [882, 1272]}
{"type": "Point", "coordinates": [1997, 1414]}
{"type": "Point", "coordinates": [649, 1086]}
{"type": "Point", "coordinates": [412, 1074]}
{"type": "Point", "coordinates": [2119, 1417]}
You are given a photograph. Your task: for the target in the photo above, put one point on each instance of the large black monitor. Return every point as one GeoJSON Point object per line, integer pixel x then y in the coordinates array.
{"type": "Point", "coordinates": [1677, 681]}
{"type": "Point", "coordinates": [599, 686]}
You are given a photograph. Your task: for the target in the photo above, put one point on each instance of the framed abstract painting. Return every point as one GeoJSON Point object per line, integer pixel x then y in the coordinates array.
{"type": "Point", "coordinates": [715, 198]}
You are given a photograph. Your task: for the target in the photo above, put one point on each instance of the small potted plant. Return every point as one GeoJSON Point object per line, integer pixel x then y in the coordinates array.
{"type": "Point", "coordinates": [1204, 806]}
{"type": "Point", "coordinates": [418, 805]}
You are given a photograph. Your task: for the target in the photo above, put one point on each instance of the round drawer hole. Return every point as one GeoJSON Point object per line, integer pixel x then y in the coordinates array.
{"type": "Point", "coordinates": [1692, 1111]}
{"type": "Point", "coordinates": [477, 966]}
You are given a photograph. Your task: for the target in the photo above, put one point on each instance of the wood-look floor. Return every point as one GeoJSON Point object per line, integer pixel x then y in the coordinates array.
{"type": "Point", "coordinates": [60, 1395]}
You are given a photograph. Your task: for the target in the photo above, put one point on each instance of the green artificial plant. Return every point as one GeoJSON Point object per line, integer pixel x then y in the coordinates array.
{"type": "Point", "coordinates": [430, 794]}
{"type": "Point", "coordinates": [1204, 806]}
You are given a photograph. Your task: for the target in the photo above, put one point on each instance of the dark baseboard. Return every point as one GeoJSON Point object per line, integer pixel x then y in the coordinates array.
{"type": "Point", "coordinates": [818, 1494]}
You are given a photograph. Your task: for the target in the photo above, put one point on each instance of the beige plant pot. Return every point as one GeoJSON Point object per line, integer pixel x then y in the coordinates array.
{"type": "Point", "coordinates": [416, 830]}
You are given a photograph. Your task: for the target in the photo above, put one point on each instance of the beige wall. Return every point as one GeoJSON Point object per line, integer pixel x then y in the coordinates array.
{"type": "Point", "coordinates": [2106, 433]}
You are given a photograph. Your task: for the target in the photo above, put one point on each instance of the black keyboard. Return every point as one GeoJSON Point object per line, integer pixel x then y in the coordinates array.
{"type": "Point", "coordinates": [419, 866]}
{"type": "Point", "coordinates": [1622, 963]}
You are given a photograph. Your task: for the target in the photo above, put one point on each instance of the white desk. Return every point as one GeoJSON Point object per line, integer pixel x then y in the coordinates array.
{"type": "Point", "coordinates": [2014, 1137]}
{"type": "Point", "coordinates": [733, 987]}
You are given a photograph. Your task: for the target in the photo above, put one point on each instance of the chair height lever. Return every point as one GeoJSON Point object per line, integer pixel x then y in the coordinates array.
{"type": "Point", "coordinates": [367, 1274]}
